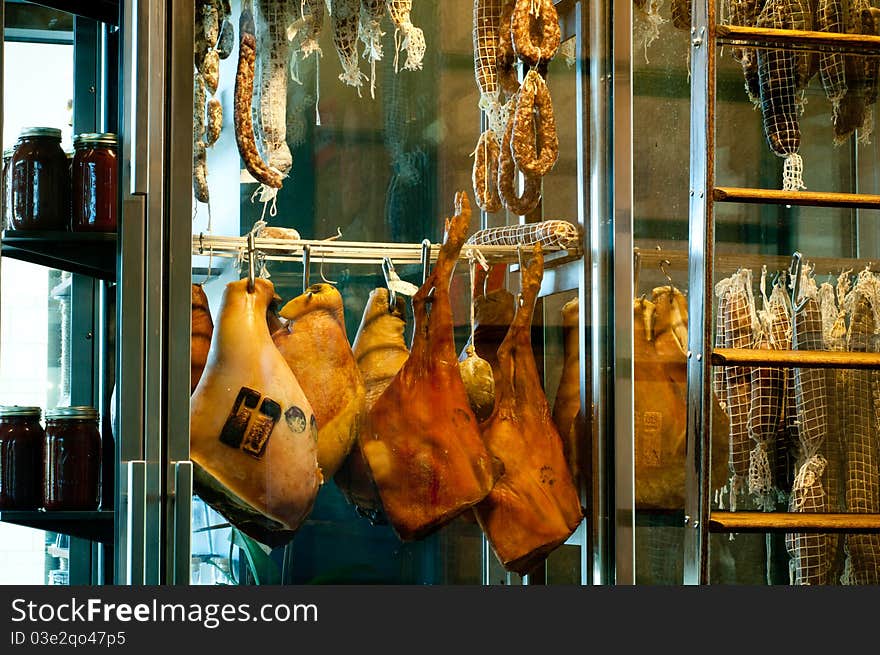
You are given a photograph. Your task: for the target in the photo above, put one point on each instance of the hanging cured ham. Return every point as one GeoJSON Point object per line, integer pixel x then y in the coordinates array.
{"type": "Point", "coordinates": [534, 507]}
{"type": "Point", "coordinates": [380, 351]}
{"type": "Point", "coordinates": [200, 338]}
{"type": "Point", "coordinates": [493, 313]}
{"type": "Point", "coordinates": [421, 441]}
{"type": "Point", "coordinates": [253, 432]}
{"type": "Point", "coordinates": [567, 406]}
{"type": "Point", "coordinates": [315, 346]}
{"type": "Point", "coordinates": [660, 402]}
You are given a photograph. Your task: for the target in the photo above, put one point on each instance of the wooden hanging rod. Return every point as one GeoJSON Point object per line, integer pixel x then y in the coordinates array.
{"type": "Point", "coordinates": [794, 358]}
{"type": "Point", "coordinates": [726, 522]}
{"type": "Point", "coordinates": [765, 37]}
{"type": "Point", "coordinates": [801, 198]}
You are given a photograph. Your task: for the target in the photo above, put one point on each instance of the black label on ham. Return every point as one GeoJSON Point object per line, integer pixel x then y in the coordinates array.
{"type": "Point", "coordinates": [246, 429]}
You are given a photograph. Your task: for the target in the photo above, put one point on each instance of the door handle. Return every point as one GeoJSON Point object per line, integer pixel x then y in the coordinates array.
{"type": "Point", "coordinates": [182, 528]}
{"type": "Point", "coordinates": [133, 529]}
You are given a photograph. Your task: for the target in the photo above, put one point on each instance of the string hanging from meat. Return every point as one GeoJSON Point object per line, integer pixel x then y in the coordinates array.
{"type": "Point", "coordinates": [809, 564]}
{"type": "Point", "coordinates": [370, 34]}
{"type": "Point", "coordinates": [534, 506]}
{"type": "Point", "coordinates": [253, 432]}
{"type": "Point", "coordinates": [315, 346]}
{"type": "Point", "coordinates": [476, 372]}
{"type": "Point", "coordinates": [380, 350]}
{"type": "Point", "coordinates": [345, 18]}
{"type": "Point", "coordinates": [407, 37]}
{"type": "Point", "coordinates": [778, 77]}
{"type": "Point", "coordinates": [421, 439]}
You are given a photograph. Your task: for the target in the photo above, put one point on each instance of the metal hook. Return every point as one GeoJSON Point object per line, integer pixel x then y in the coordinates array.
{"type": "Point", "coordinates": [251, 250]}
{"type": "Point", "coordinates": [321, 271]}
{"type": "Point", "coordinates": [795, 271]}
{"type": "Point", "coordinates": [387, 270]}
{"type": "Point", "coordinates": [426, 258]}
{"type": "Point", "coordinates": [663, 264]}
{"type": "Point", "coordinates": [307, 260]}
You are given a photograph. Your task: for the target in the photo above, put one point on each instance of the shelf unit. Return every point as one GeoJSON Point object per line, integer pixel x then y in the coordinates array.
{"type": "Point", "coordinates": [91, 525]}
{"type": "Point", "coordinates": [706, 37]}
{"type": "Point", "coordinates": [86, 253]}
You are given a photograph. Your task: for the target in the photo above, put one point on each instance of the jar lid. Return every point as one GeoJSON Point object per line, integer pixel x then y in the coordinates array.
{"type": "Point", "coordinates": [95, 139]}
{"type": "Point", "coordinates": [72, 413]}
{"type": "Point", "coordinates": [20, 410]}
{"type": "Point", "coordinates": [52, 132]}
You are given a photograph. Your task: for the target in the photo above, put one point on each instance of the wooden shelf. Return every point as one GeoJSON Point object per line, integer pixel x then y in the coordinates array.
{"type": "Point", "coordinates": [800, 198]}
{"type": "Point", "coordinates": [87, 253]}
{"type": "Point", "coordinates": [726, 522]}
{"type": "Point", "coordinates": [95, 526]}
{"type": "Point", "coordinates": [764, 37]}
{"type": "Point", "coordinates": [794, 358]}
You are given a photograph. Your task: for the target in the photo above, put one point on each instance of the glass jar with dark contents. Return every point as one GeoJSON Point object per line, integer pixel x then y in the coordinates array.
{"type": "Point", "coordinates": [21, 456]}
{"type": "Point", "coordinates": [94, 173]}
{"type": "Point", "coordinates": [72, 463]}
{"type": "Point", "coordinates": [39, 181]}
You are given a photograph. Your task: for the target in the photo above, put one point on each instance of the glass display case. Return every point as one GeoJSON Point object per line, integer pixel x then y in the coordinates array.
{"type": "Point", "coordinates": [300, 179]}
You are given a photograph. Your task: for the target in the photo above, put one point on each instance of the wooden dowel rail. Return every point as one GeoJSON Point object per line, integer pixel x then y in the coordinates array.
{"type": "Point", "coordinates": [766, 37]}
{"type": "Point", "coordinates": [800, 198]}
{"type": "Point", "coordinates": [727, 522]}
{"type": "Point", "coordinates": [794, 358]}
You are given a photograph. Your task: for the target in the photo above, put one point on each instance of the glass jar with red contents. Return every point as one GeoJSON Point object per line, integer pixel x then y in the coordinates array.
{"type": "Point", "coordinates": [39, 181]}
{"type": "Point", "coordinates": [21, 456]}
{"type": "Point", "coordinates": [72, 461]}
{"type": "Point", "coordinates": [95, 183]}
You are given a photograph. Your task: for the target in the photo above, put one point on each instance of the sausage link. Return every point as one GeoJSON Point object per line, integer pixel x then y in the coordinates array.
{"type": "Point", "coordinates": [546, 24]}
{"type": "Point", "coordinates": [531, 195]}
{"type": "Point", "coordinates": [535, 141]}
{"type": "Point", "coordinates": [485, 173]}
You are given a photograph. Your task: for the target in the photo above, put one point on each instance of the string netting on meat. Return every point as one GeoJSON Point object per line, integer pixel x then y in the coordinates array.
{"type": "Point", "coordinates": [739, 320]}
{"type": "Point", "coordinates": [810, 561]}
{"type": "Point", "coordinates": [303, 34]}
{"type": "Point", "coordinates": [861, 473]}
{"type": "Point", "coordinates": [778, 82]}
{"type": "Point", "coordinates": [767, 392]}
{"type": "Point", "coordinates": [832, 66]}
{"type": "Point", "coordinates": [780, 339]}
{"type": "Point", "coordinates": [487, 23]}
{"type": "Point", "coordinates": [372, 12]}
{"type": "Point", "coordinates": [345, 19]}
{"type": "Point", "coordinates": [407, 37]}
{"type": "Point", "coordinates": [745, 13]}
{"type": "Point", "coordinates": [551, 234]}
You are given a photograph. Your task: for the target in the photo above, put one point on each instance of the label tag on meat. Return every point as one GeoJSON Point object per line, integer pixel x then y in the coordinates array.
{"type": "Point", "coordinates": [248, 428]}
{"type": "Point", "coordinates": [649, 436]}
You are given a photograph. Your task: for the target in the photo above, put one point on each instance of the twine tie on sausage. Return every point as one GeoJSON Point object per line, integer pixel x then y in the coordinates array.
{"type": "Point", "coordinates": [793, 173]}
{"type": "Point", "coordinates": [809, 474]}
{"type": "Point", "coordinates": [410, 38]}
{"type": "Point", "coordinates": [761, 476]}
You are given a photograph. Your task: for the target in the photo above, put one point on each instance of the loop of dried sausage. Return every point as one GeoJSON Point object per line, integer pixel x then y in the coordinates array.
{"type": "Point", "coordinates": [506, 57]}
{"type": "Point", "coordinates": [525, 26]}
{"type": "Point", "coordinates": [535, 141]}
{"type": "Point", "coordinates": [244, 89]}
{"type": "Point", "coordinates": [531, 195]}
{"type": "Point", "coordinates": [485, 173]}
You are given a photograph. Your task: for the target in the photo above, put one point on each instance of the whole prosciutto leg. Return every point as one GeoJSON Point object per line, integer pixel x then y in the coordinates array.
{"type": "Point", "coordinates": [534, 507]}
{"type": "Point", "coordinates": [421, 439]}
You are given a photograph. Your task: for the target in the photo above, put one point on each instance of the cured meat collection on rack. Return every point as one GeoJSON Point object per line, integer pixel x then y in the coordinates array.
{"type": "Point", "coordinates": [285, 405]}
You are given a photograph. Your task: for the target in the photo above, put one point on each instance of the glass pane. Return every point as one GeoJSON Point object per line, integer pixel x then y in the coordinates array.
{"type": "Point", "coordinates": [382, 165]}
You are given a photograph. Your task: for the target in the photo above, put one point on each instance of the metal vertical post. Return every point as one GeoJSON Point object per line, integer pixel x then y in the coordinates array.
{"type": "Point", "coordinates": [702, 238]}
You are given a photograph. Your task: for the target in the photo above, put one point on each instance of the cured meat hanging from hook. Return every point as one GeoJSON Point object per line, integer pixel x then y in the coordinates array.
{"type": "Point", "coordinates": [534, 506]}
{"type": "Point", "coordinates": [244, 90]}
{"type": "Point", "coordinates": [345, 19]}
{"type": "Point", "coordinates": [315, 346]}
{"type": "Point", "coordinates": [567, 407]}
{"type": "Point", "coordinates": [253, 432]}
{"type": "Point", "coordinates": [407, 37]}
{"type": "Point", "coordinates": [380, 350]}
{"type": "Point", "coordinates": [421, 439]}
